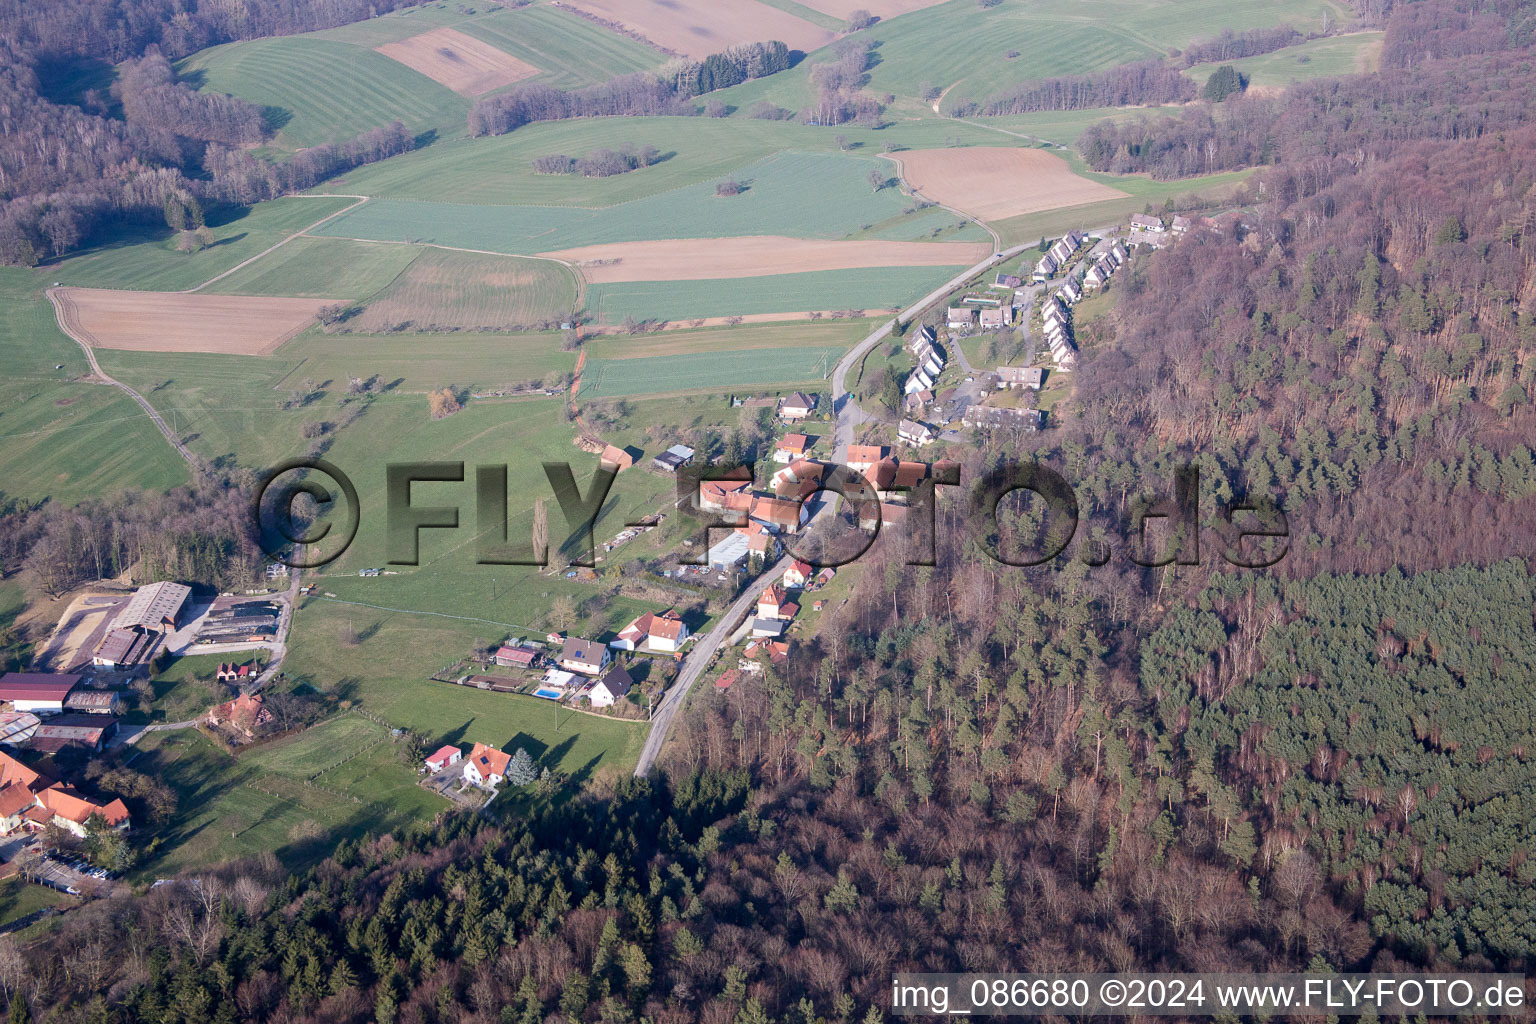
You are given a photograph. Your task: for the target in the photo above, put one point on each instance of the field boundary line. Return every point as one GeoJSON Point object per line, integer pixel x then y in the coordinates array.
{"type": "Point", "coordinates": [440, 615]}
{"type": "Point", "coordinates": [245, 263]}
{"type": "Point", "coordinates": [901, 173]}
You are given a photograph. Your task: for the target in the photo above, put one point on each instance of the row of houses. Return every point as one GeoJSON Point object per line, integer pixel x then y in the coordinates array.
{"type": "Point", "coordinates": [1149, 230]}
{"type": "Point", "coordinates": [777, 607]}
{"type": "Point", "coordinates": [927, 358]}
{"type": "Point", "coordinates": [1104, 267]}
{"type": "Point", "coordinates": [1056, 257]}
{"type": "Point", "coordinates": [33, 801]}
{"type": "Point", "coordinates": [1058, 333]}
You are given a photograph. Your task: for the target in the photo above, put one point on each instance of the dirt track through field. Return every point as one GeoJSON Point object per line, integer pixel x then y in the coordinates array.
{"type": "Point", "coordinates": [698, 28]}
{"type": "Point", "coordinates": [463, 63]}
{"type": "Point", "coordinates": [994, 183]}
{"type": "Point", "coordinates": [182, 322]}
{"type": "Point", "coordinates": [704, 259]}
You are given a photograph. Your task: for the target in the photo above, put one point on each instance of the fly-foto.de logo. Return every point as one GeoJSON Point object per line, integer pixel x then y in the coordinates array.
{"type": "Point", "coordinates": [307, 512]}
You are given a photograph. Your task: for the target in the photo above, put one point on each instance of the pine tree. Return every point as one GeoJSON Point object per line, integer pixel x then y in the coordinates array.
{"type": "Point", "coordinates": [521, 770]}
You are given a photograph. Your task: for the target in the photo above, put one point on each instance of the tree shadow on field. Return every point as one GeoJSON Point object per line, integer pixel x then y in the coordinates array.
{"type": "Point", "coordinates": [277, 118]}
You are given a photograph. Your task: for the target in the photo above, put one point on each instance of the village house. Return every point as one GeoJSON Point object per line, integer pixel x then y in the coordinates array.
{"type": "Point", "coordinates": [42, 693]}
{"type": "Point", "coordinates": [1117, 253]}
{"type": "Point", "coordinates": [34, 801]}
{"type": "Point", "coordinates": [777, 652]}
{"type": "Point", "coordinates": [797, 407]}
{"type": "Point", "coordinates": [789, 482]}
{"type": "Point", "coordinates": [917, 380]}
{"type": "Point", "coordinates": [725, 495]}
{"type": "Point", "coordinates": [917, 402]}
{"type": "Point", "coordinates": [516, 656]}
{"type": "Point", "coordinates": [1181, 225]}
{"type": "Point", "coordinates": [71, 810]}
{"type": "Point", "coordinates": [245, 714]}
{"type": "Point", "coordinates": [1044, 270]}
{"type": "Point", "coordinates": [612, 687]}
{"type": "Point", "coordinates": [994, 319]}
{"type": "Point", "coordinates": [1007, 281]}
{"type": "Point", "coordinates": [444, 757]}
{"type": "Point", "coordinates": [958, 317]}
{"type": "Point", "coordinates": [486, 766]}
{"type": "Point", "coordinates": [663, 632]}
{"type": "Point", "coordinates": [674, 458]}
{"type": "Point", "coordinates": [913, 432]}
{"type": "Point", "coordinates": [774, 603]}
{"type": "Point", "coordinates": [797, 575]}
{"type": "Point", "coordinates": [780, 515]}
{"type": "Point", "coordinates": [1097, 276]}
{"type": "Point", "coordinates": [1071, 291]}
{"type": "Point", "coordinates": [791, 447]}
{"type": "Point", "coordinates": [1146, 222]}
{"type": "Point", "coordinates": [1020, 377]}
{"type": "Point", "coordinates": [892, 477]}
{"type": "Point", "coordinates": [863, 457]}
{"type": "Point", "coordinates": [587, 657]}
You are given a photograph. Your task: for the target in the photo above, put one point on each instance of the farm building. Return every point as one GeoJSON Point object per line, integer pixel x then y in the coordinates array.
{"type": "Point", "coordinates": [729, 552]}
{"type": "Point", "coordinates": [587, 657]}
{"type": "Point", "coordinates": [1020, 377]}
{"type": "Point", "coordinates": [797, 406]}
{"type": "Point", "coordinates": [121, 648]}
{"type": "Point", "coordinates": [674, 458]}
{"type": "Point", "coordinates": [42, 693]}
{"type": "Point", "coordinates": [612, 687]}
{"type": "Point", "coordinates": [516, 656]}
{"type": "Point", "coordinates": [762, 628]}
{"type": "Point", "coordinates": [90, 732]}
{"type": "Point", "coordinates": [443, 758]}
{"type": "Point", "coordinates": [156, 607]}
{"type": "Point", "coordinates": [958, 317]}
{"type": "Point", "coordinates": [94, 702]}
{"type": "Point", "coordinates": [725, 495]}
{"type": "Point", "coordinates": [16, 727]}
{"type": "Point", "coordinates": [245, 714]}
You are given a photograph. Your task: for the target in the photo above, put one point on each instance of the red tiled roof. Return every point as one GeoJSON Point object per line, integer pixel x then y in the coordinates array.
{"type": "Point", "coordinates": [728, 677]}
{"type": "Point", "coordinates": [15, 799]}
{"type": "Point", "coordinates": [489, 761]}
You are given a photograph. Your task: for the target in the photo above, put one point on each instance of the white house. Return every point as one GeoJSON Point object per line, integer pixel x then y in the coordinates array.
{"type": "Point", "coordinates": [914, 432]}
{"type": "Point", "coordinates": [486, 766]}
{"type": "Point", "coordinates": [958, 317]}
{"type": "Point", "coordinates": [661, 632]}
{"type": "Point", "coordinates": [797, 406]}
{"type": "Point", "coordinates": [613, 686]}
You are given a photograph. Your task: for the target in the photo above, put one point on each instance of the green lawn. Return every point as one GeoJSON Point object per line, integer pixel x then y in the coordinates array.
{"type": "Point", "coordinates": [1348, 54]}
{"type": "Point", "coordinates": [187, 688]}
{"type": "Point", "coordinates": [19, 898]}
{"type": "Point", "coordinates": [570, 50]}
{"type": "Point", "coordinates": [323, 90]}
{"type": "Point", "coordinates": [150, 262]}
{"type": "Point", "coordinates": [838, 334]}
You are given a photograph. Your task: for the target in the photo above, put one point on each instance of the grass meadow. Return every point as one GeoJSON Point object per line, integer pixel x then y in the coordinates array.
{"type": "Point", "coordinates": [445, 290]}
{"type": "Point", "coordinates": [330, 268]}
{"type": "Point", "coordinates": [838, 334]}
{"type": "Point", "coordinates": [290, 796]}
{"type": "Point", "coordinates": [148, 260]}
{"type": "Point", "coordinates": [1348, 54]}
{"type": "Point", "coordinates": [751, 368]}
{"type": "Point", "coordinates": [865, 288]}
{"type": "Point", "coordinates": [324, 90]}
{"type": "Point", "coordinates": [779, 199]}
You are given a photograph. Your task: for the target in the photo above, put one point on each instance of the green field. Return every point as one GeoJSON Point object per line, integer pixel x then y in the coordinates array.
{"type": "Point", "coordinates": [824, 333]}
{"type": "Point", "coordinates": [442, 290]}
{"type": "Point", "coordinates": [780, 200]}
{"type": "Point", "coordinates": [866, 288]}
{"type": "Point", "coordinates": [1318, 58]}
{"type": "Point", "coordinates": [19, 898]}
{"type": "Point", "coordinates": [1063, 127]}
{"type": "Point", "coordinates": [60, 438]}
{"type": "Point", "coordinates": [288, 796]}
{"type": "Point", "coordinates": [150, 262]}
{"type": "Point", "coordinates": [322, 90]}
{"type": "Point", "coordinates": [330, 268]}
{"type": "Point", "coordinates": [721, 371]}
{"type": "Point", "coordinates": [570, 50]}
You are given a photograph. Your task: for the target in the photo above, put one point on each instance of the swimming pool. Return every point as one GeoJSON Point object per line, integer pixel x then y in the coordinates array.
{"type": "Point", "coordinates": [549, 694]}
